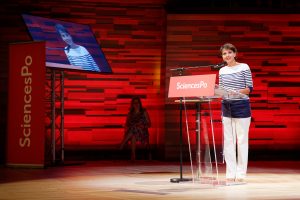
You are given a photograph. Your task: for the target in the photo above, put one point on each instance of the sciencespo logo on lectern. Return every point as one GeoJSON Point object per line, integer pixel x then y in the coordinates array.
{"type": "Point", "coordinates": [183, 86]}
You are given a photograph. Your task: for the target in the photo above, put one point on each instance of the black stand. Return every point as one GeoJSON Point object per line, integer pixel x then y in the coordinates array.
{"type": "Point", "coordinates": [180, 179]}
{"type": "Point", "coordinates": [198, 130]}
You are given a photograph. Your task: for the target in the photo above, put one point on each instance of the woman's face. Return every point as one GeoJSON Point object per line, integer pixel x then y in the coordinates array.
{"type": "Point", "coordinates": [136, 105]}
{"type": "Point", "coordinates": [228, 56]}
{"type": "Point", "coordinates": [66, 37]}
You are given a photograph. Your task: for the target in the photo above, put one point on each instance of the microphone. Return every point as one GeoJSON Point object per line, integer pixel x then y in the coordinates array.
{"type": "Point", "coordinates": [218, 66]}
{"type": "Point", "coordinates": [177, 69]}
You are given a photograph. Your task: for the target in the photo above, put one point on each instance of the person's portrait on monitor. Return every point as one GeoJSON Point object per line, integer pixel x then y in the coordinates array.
{"type": "Point", "coordinates": [68, 45]}
{"type": "Point", "coordinates": [76, 54]}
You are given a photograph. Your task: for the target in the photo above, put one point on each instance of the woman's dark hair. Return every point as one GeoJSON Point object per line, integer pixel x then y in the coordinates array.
{"type": "Point", "coordinates": [228, 46]}
{"type": "Point", "coordinates": [60, 28]}
{"type": "Point", "coordinates": [140, 103]}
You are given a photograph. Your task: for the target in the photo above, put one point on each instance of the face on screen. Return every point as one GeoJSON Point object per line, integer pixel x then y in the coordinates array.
{"type": "Point", "coordinates": [66, 37]}
{"type": "Point", "coordinates": [68, 45]}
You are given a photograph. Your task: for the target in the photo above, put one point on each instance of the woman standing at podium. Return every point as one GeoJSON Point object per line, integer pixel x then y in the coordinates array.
{"type": "Point", "coordinates": [236, 113]}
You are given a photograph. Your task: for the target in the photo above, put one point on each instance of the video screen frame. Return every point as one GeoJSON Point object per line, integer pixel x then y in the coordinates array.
{"type": "Point", "coordinates": [69, 45]}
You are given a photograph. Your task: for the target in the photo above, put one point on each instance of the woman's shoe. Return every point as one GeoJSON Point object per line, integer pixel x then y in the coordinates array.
{"type": "Point", "coordinates": [240, 180]}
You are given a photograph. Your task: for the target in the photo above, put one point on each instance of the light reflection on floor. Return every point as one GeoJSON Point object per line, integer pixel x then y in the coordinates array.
{"type": "Point", "coordinates": [147, 180]}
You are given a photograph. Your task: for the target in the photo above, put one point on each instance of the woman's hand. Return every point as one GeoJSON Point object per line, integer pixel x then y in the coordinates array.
{"type": "Point", "coordinates": [245, 91]}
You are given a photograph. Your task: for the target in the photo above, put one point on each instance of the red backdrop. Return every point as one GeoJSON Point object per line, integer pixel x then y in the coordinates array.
{"type": "Point", "coordinates": [269, 44]}
{"type": "Point", "coordinates": [133, 37]}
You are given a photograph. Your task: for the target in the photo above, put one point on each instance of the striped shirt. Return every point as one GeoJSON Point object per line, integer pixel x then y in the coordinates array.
{"type": "Point", "coordinates": [81, 57]}
{"type": "Point", "coordinates": [236, 78]}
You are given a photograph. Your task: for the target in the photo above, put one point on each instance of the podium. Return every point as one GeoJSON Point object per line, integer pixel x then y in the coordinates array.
{"type": "Point", "coordinates": [199, 89]}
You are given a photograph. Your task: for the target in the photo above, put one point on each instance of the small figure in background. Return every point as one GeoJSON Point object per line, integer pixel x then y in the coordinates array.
{"type": "Point", "coordinates": [136, 127]}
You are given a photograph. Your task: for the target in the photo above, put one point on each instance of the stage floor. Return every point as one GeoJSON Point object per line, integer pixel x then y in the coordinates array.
{"type": "Point", "coordinates": [115, 180]}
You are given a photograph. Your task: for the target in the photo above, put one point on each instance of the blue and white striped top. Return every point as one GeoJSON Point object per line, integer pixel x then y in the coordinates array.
{"type": "Point", "coordinates": [81, 57]}
{"type": "Point", "coordinates": [236, 78]}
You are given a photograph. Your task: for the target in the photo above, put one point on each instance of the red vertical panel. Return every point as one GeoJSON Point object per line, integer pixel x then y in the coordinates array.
{"type": "Point", "coordinates": [26, 134]}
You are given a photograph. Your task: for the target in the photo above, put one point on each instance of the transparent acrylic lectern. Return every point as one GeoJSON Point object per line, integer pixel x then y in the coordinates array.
{"type": "Point", "coordinates": [208, 155]}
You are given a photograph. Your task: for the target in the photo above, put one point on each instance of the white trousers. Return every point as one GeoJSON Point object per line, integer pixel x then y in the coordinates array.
{"type": "Point", "coordinates": [236, 156]}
